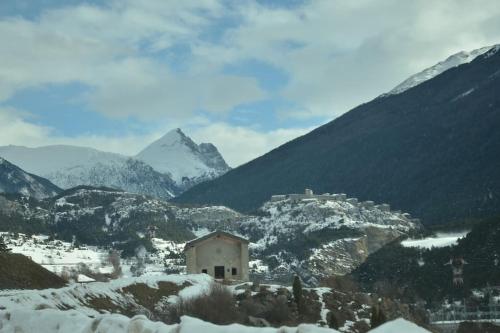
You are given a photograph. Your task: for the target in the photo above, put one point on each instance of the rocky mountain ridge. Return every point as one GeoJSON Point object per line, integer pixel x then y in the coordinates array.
{"type": "Point", "coordinates": [185, 161]}
{"type": "Point", "coordinates": [15, 180]}
{"type": "Point", "coordinates": [310, 236]}
{"type": "Point", "coordinates": [175, 169]}
{"type": "Point", "coordinates": [320, 236]}
{"type": "Point", "coordinates": [454, 60]}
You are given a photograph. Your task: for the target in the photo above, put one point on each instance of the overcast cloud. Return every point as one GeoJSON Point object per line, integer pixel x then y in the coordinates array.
{"type": "Point", "coordinates": [164, 64]}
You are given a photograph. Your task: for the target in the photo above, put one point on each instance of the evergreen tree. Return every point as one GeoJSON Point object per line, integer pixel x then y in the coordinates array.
{"type": "Point", "coordinates": [377, 317]}
{"type": "Point", "coordinates": [3, 246]}
{"type": "Point", "coordinates": [297, 289]}
{"type": "Point", "coordinates": [297, 294]}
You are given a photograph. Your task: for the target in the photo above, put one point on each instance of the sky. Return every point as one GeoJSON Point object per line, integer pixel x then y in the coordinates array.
{"type": "Point", "coordinates": [247, 76]}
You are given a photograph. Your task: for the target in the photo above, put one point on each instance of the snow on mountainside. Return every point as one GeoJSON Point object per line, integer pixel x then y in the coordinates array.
{"type": "Point", "coordinates": [163, 170]}
{"type": "Point", "coordinates": [312, 236]}
{"type": "Point", "coordinates": [128, 174]}
{"type": "Point", "coordinates": [99, 217]}
{"type": "Point", "coordinates": [15, 180]}
{"type": "Point", "coordinates": [203, 220]}
{"type": "Point", "coordinates": [69, 166]}
{"type": "Point", "coordinates": [441, 239]}
{"type": "Point", "coordinates": [186, 162]}
{"type": "Point", "coordinates": [49, 159]}
{"type": "Point", "coordinates": [321, 235]}
{"type": "Point", "coordinates": [454, 60]}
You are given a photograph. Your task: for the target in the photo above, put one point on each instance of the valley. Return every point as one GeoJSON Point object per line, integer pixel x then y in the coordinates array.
{"type": "Point", "coordinates": [381, 219]}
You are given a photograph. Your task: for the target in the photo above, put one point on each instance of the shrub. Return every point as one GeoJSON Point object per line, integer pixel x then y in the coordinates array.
{"type": "Point", "coordinates": [114, 260]}
{"type": "Point", "coordinates": [333, 320]}
{"type": "Point", "coordinates": [342, 283]}
{"type": "Point", "coordinates": [71, 274]}
{"type": "Point", "coordinates": [278, 311]}
{"type": "Point", "coordinates": [216, 305]}
{"type": "Point", "coordinates": [251, 307]}
{"type": "Point", "coordinates": [3, 247]}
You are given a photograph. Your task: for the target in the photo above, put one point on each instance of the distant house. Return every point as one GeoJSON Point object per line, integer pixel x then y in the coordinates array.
{"type": "Point", "coordinates": [218, 254]}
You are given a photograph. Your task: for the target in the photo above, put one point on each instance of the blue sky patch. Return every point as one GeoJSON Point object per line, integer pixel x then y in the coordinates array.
{"type": "Point", "coordinates": [63, 108]}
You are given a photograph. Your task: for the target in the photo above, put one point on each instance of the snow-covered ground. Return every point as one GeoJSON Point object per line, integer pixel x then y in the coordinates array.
{"type": "Point", "coordinates": [441, 239]}
{"type": "Point", "coordinates": [84, 308]}
{"type": "Point", "coordinates": [58, 256]}
{"type": "Point", "coordinates": [399, 326]}
{"type": "Point", "coordinates": [257, 266]}
{"type": "Point", "coordinates": [76, 296]}
{"type": "Point", "coordinates": [52, 321]}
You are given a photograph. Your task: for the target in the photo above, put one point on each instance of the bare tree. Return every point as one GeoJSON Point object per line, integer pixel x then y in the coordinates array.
{"type": "Point", "coordinates": [114, 260]}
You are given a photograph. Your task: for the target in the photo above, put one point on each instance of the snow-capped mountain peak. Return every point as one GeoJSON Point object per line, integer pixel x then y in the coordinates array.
{"type": "Point", "coordinates": [175, 137]}
{"type": "Point", "coordinates": [454, 60]}
{"type": "Point", "coordinates": [163, 170]}
{"type": "Point", "coordinates": [187, 162]}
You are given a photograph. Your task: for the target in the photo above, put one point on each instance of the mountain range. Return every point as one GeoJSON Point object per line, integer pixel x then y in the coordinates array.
{"type": "Point", "coordinates": [429, 147]}
{"type": "Point", "coordinates": [313, 237]}
{"type": "Point", "coordinates": [163, 169]}
{"type": "Point", "coordinates": [15, 180]}
{"type": "Point", "coordinates": [432, 150]}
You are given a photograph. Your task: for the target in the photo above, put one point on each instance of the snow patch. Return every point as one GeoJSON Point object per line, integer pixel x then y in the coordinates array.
{"type": "Point", "coordinates": [439, 240]}
{"type": "Point", "coordinates": [452, 61]}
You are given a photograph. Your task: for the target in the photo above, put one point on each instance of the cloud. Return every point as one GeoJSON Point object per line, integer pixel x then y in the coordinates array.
{"type": "Point", "coordinates": [334, 55]}
{"type": "Point", "coordinates": [237, 144]}
{"type": "Point", "coordinates": [15, 129]}
{"type": "Point", "coordinates": [114, 51]}
{"type": "Point", "coordinates": [339, 54]}
{"type": "Point", "coordinates": [145, 88]}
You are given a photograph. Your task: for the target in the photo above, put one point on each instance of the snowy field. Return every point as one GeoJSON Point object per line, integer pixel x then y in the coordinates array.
{"type": "Point", "coordinates": [58, 256]}
{"type": "Point", "coordinates": [441, 239]}
{"type": "Point", "coordinates": [67, 309]}
{"type": "Point", "coordinates": [54, 321]}
{"type": "Point", "coordinates": [76, 296]}
{"type": "Point", "coordinates": [41, 310]}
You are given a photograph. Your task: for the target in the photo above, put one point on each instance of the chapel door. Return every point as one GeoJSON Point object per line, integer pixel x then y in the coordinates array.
{"type": "Point", "coordinates": [219, 272]}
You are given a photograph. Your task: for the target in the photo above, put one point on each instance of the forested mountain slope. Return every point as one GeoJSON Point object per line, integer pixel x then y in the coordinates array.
{"type": "Point", "coordinates": [432, 150]}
